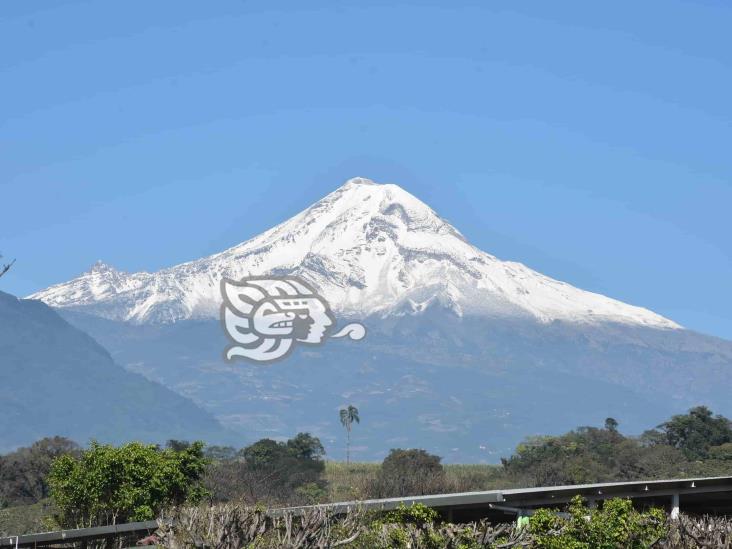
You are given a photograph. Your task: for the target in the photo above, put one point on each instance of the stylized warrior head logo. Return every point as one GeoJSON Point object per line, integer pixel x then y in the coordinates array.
{"type": "Point", "coordinates": [265, 316]}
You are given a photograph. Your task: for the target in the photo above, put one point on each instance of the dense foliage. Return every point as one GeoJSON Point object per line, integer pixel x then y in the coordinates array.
{"type": "Point", "coordinates": [409, 472]}
{"type": "Point", "coordinates": [108, 485]}
{"type": "Point", "coordinates": [698, 432]}
{"type": "Point", "coordinates": [616, 524]}
{"type": "Point", "coordinates": [23, 473]}
{"type": "Point", "coordinates": [694, 444]}
{"type": "Point", "coordinates": [270, 472]}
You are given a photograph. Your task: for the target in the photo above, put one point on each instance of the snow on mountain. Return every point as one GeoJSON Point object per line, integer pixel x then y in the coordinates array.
{"type": "Point", "coordinates": [371, 249]}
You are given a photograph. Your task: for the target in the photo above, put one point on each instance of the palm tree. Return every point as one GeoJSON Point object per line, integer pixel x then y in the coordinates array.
{"type": "Point", "coordinates": [348, 416]}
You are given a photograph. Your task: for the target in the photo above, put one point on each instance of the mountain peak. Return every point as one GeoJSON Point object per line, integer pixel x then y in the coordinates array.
{"type": "Point", "coordinates": [370, 249]}
{"type": "Point", "coordinates": [101, 267]}
{"type": "Point", "coordinates": [359, 181]}
{"type": "Point", "coordinates": [361, 198]}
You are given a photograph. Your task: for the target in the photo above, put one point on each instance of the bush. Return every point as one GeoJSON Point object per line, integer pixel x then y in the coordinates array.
{"type": "Point", "coordinates": [418, 514]}
{"type": "Point", "coordinates": [409, 473]}
{"type": "Point", "coordinates": [106, 485]}
{"type": "Point", "coordinates": [616, 525]}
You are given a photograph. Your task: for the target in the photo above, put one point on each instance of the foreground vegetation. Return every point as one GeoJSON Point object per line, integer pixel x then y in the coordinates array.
{"type": "Point", "coordinates": [615, 526]}
{"type": "Point", "coordinates": [55, 483]}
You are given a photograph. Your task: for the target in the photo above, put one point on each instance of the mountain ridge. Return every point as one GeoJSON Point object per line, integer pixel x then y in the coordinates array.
{"type": "Point", "coordinates": [370, 249]}
{"type": "Point", "coordinates": [466, 388]}
{"type": "Point", "coordinates": [58, 380]}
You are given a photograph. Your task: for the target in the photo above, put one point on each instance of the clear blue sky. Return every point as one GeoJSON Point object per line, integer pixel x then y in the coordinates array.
{"type": "Point", "coordinates": [590, 140]}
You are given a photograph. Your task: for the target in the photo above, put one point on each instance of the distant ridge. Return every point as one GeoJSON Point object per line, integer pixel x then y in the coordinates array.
{"type": "Point", "coordinates": [57, 380]}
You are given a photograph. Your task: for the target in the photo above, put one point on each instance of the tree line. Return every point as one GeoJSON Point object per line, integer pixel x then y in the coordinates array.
{"type": "Point", "coordinates": [698, 443]}
{"type": "Point", "coordinates": [104, 484]}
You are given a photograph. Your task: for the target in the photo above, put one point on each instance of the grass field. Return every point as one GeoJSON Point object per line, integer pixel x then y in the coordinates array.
{"type": "Point", "coordinates": [25, 519]}
{"type": "Point", "coordinates": [349, 482]}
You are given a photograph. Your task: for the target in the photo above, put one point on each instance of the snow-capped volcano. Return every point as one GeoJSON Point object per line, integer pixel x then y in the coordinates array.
{"type": "Point", "coordinates": [464, 352]}
{"type": "Point", "coordinates": [371, 249]}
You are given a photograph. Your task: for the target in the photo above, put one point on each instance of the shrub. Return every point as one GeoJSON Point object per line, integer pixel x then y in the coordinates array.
{"type": "Point", "coordinates": [107, 485]}
{"type": "Point", "coordinates": [616, 525]}
{"type": "Point", "coordinates": [418, 514]}
{"type": "Point", "coordinates": [409, 473]}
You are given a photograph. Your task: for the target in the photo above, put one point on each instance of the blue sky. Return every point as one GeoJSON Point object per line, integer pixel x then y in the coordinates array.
{"type": "Point", "coordinates": [589, 140]}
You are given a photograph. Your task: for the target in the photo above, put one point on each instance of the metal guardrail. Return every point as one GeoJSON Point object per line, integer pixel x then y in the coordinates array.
{"type": "Point", "coordinates": [46, 539]}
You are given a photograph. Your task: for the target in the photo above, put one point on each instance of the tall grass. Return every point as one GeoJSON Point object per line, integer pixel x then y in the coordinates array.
{"type": "Point", "coordinates": [347, 482]}
{"type": "Point", "coordinates": [475, 477]}
{"type": "Point", "coordinates": [353, 481]}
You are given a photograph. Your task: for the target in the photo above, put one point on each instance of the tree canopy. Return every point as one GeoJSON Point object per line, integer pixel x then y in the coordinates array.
{"type": "Point", "coordinates": [133, 482]}
{"type": "Point", "coordinates": [270, 471]}
{"type": "Point", "coordinates": [23, 473]}
{"type": "Point", "coordinates": [696, 432]}
{"type": "Point", "coordinates": [698, 443]}
{"type": "Point", "coordinates": [410, 472]}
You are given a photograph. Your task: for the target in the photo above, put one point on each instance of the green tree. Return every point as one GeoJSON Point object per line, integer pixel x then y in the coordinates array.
{"type": "Point", "coordinates": [107, 484]}
{"type": "Point", "coordinates": [589, 454]}
{"type": "Point", "coordinates": [694, 433]}
{"type": "Point", "coordinates": [23, 472]}
{"type": "Point", "coordinates": [177, 445]}
{"type": "Point", "coordinates": [722, 452]}
{"type": "Point", "coordinates": [348, 416]}
{"type": "Point", "coordinates": [580, 456]}
{"type": "Point", "coordinates": [286, 464]}
{"type": "Point", "coordinates": [264, 453]}
{"type": "Point", "coordinates": [306, 446]}
{"type": "Point", "coordinates": [271, 472]}
{"type": "Point", "coordinates": [410, 472]}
